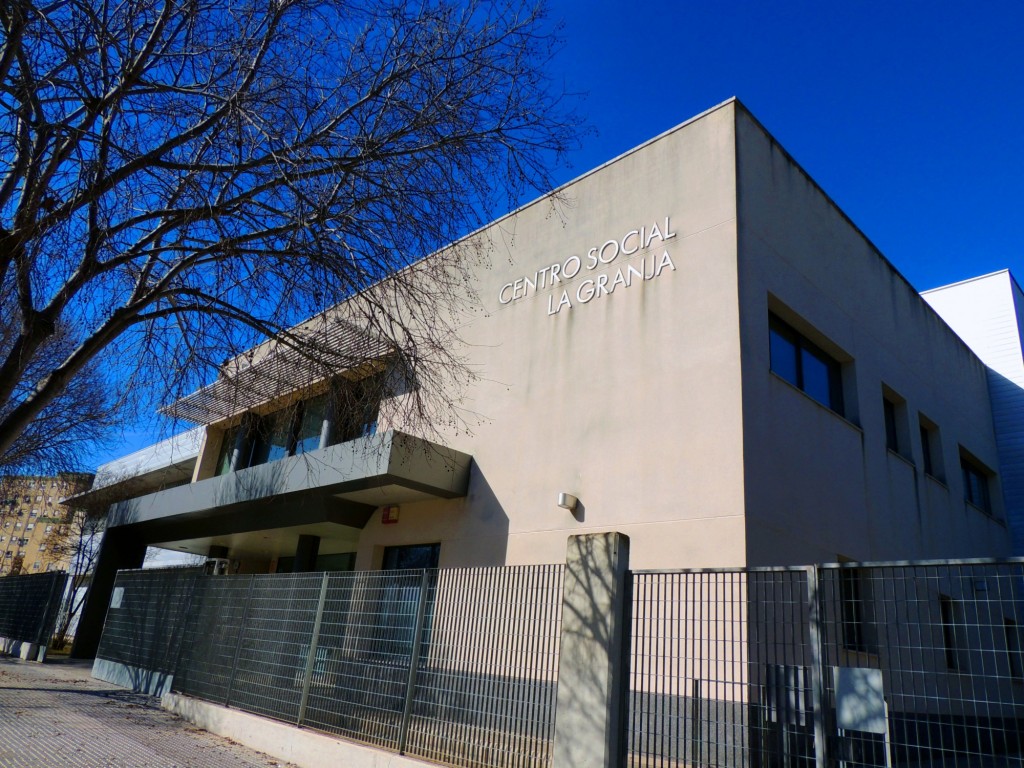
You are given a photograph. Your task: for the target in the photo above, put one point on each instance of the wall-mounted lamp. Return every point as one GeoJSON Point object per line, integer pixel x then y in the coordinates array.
{"type": "Point", "coordinates": [567, 501]}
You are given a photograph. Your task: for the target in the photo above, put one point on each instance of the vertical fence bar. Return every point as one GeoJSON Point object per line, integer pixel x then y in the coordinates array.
{"type": "Point", "coordinates": [695, 728]}
{"type": "Point", "coordinates": [814, 637]}
{"type": "Point", "coordinates": [414, 662]}
{"type": "Point", "coordinates": [314, 642]}
{"type": "Point", "coordinates": [238, 642]}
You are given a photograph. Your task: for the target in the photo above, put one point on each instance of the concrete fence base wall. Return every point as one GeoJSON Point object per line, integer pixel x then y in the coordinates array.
{"type": "Point", "coordinates": [305, 748]}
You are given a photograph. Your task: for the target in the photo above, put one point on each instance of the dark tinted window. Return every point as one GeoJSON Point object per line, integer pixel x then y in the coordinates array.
{"type": "Point", "coordinates": [804, 365]}
{"type": "Point", "coordinates": [976, 485]}
{"type": "Point", "coordinates": [891, 439]}
{"type": "Point", "coordinates": [926, 451]}
{"type": "Point", "coordinates": [311, 425]}
{"type": "Point", "coordinates": [414, 556]}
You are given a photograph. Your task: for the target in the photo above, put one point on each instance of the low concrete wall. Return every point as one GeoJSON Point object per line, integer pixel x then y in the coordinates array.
{"type": "Point", "coordinates": [135, 678]}
{"type": "Point", "coordinates": [306, 749]}
{"type": "Point", "coordinates": [22, 649]}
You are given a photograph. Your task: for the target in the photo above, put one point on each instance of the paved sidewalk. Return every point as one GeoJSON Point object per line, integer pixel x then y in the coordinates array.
{"type": "Point", "coordinates": [56, 714]}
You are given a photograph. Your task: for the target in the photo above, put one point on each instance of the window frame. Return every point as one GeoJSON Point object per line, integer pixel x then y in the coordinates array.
{"type": "Point", "coordinates": [433, 548]}
{"type": "Point", "coordinates": [932, 460]}
{"type": "Point", "coordinates": [858, 633]}
{"type": "Point", "coordinates": [803, 347]}
{"type": "Point", "coordinates": [892, 433]}
{"type": "Point", "coordinates": [352, 407]}
{"type": "Point", "coordinates": [927, 461]}
{"type": "Point", "coordinates": [978, 494]}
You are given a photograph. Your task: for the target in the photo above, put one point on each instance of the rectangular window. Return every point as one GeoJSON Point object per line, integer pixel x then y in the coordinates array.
{"type": "Point", "coordinates": [892, 440]}
{"type": "Point", "coordinates": [273, 437]}
{"type": "Point", "coordinates": [926, 452]}
{"type": "Point", "coordinates": [357, 407]}
{"type": "Point", "coordinates": [227, 448]}
{"type": "Point", "coordinates": [949, 645]}
{"type": "Point", "coordinates": [931, 448]}
{"type": "Point", "coordinates": [976, 484]}
{"type": "Point", "coordinates": [413, 556]}
{"type": "Point", "coordinates": [804, 365]}
{"type": "Point", "coordinates": [352, 407]}
{"type": "Point", "coordinates": [314, 411]}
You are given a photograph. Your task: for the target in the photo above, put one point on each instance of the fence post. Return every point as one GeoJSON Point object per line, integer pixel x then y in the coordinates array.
{"type": "Point", "coordinates": [817, 666]}
{"type": "Point", "coordinates": [314, 641]}
{"type": "Point", "coordinates": [593, 669]}
{"type": "Point", "coordinates": [238, 642]}
{"type": "Point", "coordinates": [414, 662]}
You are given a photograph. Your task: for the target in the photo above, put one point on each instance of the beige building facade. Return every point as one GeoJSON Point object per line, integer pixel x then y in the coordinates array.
{"type": "Point", "coordinates": [35, 526]}
{"type": "Point", "coordinates": [692, 341]}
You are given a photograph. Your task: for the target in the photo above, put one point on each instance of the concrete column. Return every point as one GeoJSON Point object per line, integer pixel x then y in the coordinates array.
{"type": "Point", "coordinates": [117, 551]}
{"type": "Point", "coordinates": [593, 678]}
{"type": "Point", "coordinates": [327, 428]}
{"type": "Point", "coordinates": [305, 553]}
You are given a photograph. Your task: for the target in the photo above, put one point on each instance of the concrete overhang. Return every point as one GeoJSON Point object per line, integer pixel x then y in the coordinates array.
{"type": "Point", "coordinates": [341, 484]}
{"type": "Point", "coordinates": [167, 463]}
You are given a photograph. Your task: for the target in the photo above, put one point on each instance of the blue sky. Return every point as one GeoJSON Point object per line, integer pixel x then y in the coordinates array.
{"type": "Point", "coordinates": [910, 115]}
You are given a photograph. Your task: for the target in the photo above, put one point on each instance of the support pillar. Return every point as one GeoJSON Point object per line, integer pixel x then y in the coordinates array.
{"type": "Point", "coordinates": [118, 551]}
{"type": "Point", "coordinates": [327, 427]}
{"type": "Point", "coordinates": [306, 552]}
{"type": "Point", "coordinates": [593, 678]}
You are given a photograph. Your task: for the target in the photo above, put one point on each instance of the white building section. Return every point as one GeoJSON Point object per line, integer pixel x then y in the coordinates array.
{"type": "Point", "coordinates": [987, 312]}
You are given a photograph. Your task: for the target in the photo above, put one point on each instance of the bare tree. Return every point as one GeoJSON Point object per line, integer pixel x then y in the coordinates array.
{"type": "Point", "coordinates": [184, 178]}
{"type": "Point", "coordinates": [80, 416]}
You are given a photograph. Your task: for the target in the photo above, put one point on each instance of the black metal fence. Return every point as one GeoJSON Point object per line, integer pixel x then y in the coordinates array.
{"type": "Point", "coordinates": [147, 618]}
{"type": "Point", "coordinates": [850, 665]}
{"type": "Point", "coordinates": [912, 664]}
{"type": "Point", "coordinates": [455, 665]}
{"type": "Point", "coordinates": [29, 606]}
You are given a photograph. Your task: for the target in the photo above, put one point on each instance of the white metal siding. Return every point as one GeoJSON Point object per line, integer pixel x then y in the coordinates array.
{"type": "Point", "coordinates": [988, 314]}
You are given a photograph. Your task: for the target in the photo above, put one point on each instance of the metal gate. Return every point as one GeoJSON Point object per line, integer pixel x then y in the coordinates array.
{"type": "Point", "coordinates": [903, 664]}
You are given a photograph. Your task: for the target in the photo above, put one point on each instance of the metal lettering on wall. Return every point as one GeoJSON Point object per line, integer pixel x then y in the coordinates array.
{"type": "Point", "coordinates": [553, 277]}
